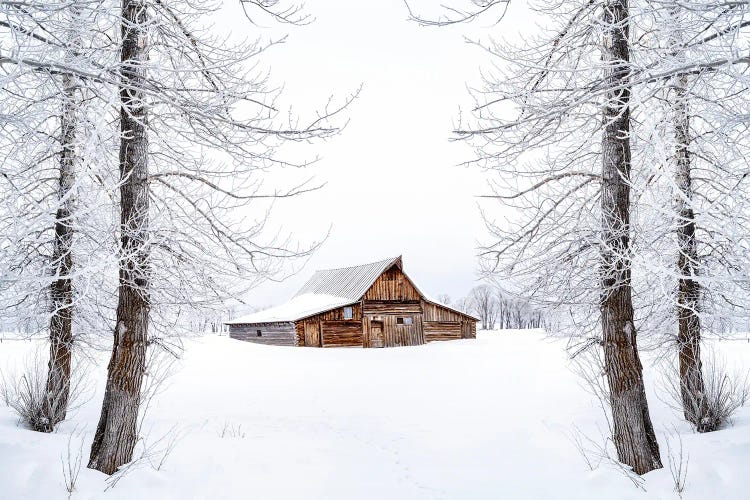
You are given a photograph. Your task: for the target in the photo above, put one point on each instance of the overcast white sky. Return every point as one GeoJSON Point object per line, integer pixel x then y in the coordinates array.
{"type": "Point", "coordinates": [393, 186]}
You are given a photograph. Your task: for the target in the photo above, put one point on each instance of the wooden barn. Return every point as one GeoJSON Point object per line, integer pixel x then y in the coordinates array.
{"type": "Point", "coordinates": [372, 305]}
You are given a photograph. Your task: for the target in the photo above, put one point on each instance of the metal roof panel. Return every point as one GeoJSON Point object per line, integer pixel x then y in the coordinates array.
{"type": "Point", "coordinates": [349, 282]}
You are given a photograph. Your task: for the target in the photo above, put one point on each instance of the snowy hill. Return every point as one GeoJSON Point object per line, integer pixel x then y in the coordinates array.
{"type": "Point", "coordinates": [485, 418]}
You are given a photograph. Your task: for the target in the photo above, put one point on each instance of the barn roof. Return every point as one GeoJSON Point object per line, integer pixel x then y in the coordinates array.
{"type": "Point", "coordinates": [349, 282]}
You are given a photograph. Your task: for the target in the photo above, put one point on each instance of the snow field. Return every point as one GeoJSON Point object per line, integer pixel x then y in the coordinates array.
{"type": "Point", "coordinates": [485, 418]}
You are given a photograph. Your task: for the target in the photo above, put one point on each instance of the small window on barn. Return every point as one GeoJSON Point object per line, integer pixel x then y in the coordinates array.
{"type": "Point", "coordinates": [348, 313]}
{"type": "Point", "coordinates": [258, 333]}
{"type": "Point", "coordinates": [404, 321]}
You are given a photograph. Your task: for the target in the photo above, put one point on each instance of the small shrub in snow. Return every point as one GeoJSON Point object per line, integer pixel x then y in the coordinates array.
{"type": "Point", "coordinates": [25, 392]}
{"type": "Point", "coordinates": [724, 393]}
{"type": "Point", "coordinates": [232, 431]}
{"type": "Point", "coordinates": [147, 453]}
{"type": "Point", "coordinates": [158, 452]}
{"type": "Point", "coordinates": [597, 452]}
{"type": "Point", "coordinates": [678, 466]}
{"type": "Point", "coordinates": [71, 465]}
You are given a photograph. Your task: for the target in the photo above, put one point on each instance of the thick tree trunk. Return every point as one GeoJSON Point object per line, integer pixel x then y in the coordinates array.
{"type": "Point", "coordinates": [61, 290]}
{"type": "Point", "coordinates": [634, 435]}
{"type": "Point", "coordinates": [688, 291]}
{"type": "Point", "coordinates": [116, 434]}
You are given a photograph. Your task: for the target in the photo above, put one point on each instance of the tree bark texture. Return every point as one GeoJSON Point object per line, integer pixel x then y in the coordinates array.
{"type": "Point", "coordinates": [116, 434]}
{"type": "Point", "coordinates": [61, 289]}
{"type": "Point", "coordinates": [633, 431]}
{"type": "Point", "coordinates": [688, 292]}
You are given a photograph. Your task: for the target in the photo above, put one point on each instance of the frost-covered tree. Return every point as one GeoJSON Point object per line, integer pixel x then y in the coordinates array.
{"type": "Point", "coordinates": [445, 299]}
{"type": "Point", "coordinates": [484, 303]}
{"type": "Point", "coordinates": [197, 125]}
{"type": "Point", "coordinates": [52, 158]}
{"type": "Point", "coordinates": [617, 225]}
{"type": "Point", "coordinates": [691, 146]}
{"type": "Point", "coordinates": [187, 95]}
{"type": "Point", "coordinates": [553, 121]}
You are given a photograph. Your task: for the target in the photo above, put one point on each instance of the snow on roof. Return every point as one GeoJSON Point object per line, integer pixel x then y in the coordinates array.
{"type": "Point", "coordinates": [301, 306]}
{"type": "Point", "coordinates": [350, 282]}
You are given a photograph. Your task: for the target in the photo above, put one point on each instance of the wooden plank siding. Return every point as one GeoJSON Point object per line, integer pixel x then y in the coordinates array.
{"type": "Point", "coordinates": [395, 335]}
{"type": "Point", "coordinates": [299, 328]}
{"type": "Point", "coordinates": [330, 329]}
{"type": "Point", "coordinates": [271, 333]}
{"type": "Point", "coordinates": [406, 335]}
{"type": "Point", "coordinates": [435, 312]}
{"type": "Point", "coordinates": [374, 307]}
{"type": "Point", "coordinates": [338, 314]}
{"type": "Point", "coordinates": [342, 333]}
{"type": "Point", "coordinates": [469, 330]}
{"type": "Point", "coordinates": [442, 323]}
{"type": "Point", "coordinates": [442, 330]}
{"type": "Point", "coordinates": [392, 285]}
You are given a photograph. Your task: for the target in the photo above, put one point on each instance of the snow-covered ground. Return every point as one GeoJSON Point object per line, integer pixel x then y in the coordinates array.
{"type": "Point", "coordinates": [469, 419]}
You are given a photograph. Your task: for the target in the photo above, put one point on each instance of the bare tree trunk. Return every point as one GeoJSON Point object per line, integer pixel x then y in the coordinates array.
{"type": "Point", "coordinates": [689, 290]}
{"type": "Point", "coordinates": [61, 289]}
{"type": "Point", "coordinates": [634, 435]}
{"type": "Point", "coordinates": [116, 434]}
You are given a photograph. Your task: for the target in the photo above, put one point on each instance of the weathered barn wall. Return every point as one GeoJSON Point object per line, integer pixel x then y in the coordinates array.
{"type": "Point", "coordinates": [338, 314]}
{"type": "Point", "coordinates": [434, 312]}
{"type": "Point", "coordinates": [469, 329]}
{"type": "Point", "coordinates": [299, 328]}
{"type": "Point", "coordinates": [375, 307]}
{"type": "Point", "coordinates": [342, 333]}
{"type": "Point", "coordinates": [405, 335]}
{"type": "Point", "coordinates": [442, 323]}
{"type": "Point", "coordinates": [383, 330]}
{"type": "Point", "coordinates": [392, 285]}
{"type": "Point", "coordinates": [271, 333]}
{"type": "Point", "coordinates": [442, 330]}
{"type": "Point", "coordinates": [330, 329]}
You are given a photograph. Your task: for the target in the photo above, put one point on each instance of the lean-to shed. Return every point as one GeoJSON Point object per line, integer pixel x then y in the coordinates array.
{"type": "Point", "coordinates": [372, 305]}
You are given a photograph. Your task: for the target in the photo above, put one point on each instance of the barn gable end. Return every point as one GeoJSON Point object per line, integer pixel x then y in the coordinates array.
{"type": "Point", "coordinates": [392, 313]}
{"type": "Point", "coordinates": [392, 286]}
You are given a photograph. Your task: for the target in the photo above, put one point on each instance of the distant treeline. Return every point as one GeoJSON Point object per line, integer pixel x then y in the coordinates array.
{"type": "Point", "coordinates": [498, 310]}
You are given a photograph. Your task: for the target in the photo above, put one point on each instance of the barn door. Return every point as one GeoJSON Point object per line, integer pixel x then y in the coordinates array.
{"type": "Point", "coordinates": [312, 334]}
{"type": "Point", "coordinates": [376, 334]}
